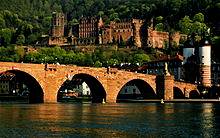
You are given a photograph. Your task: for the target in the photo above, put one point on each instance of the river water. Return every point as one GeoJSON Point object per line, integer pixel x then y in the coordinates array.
{"type": "Point", "coordinates": [110, 120]}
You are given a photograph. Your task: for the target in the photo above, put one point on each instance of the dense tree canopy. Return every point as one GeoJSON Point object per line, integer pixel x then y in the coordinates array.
{"type": "Point", "coordinates": [32, 17]}
{"type": "Point", "coordinates": [24, 21]}
{"type": "Point", "coordinates": [35, 15]}
{"type": "Point", "coordinates": [56, 55]}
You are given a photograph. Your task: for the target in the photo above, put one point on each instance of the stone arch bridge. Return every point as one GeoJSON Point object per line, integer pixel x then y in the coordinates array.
{"type": "Point", "coordinates": [105, 83]}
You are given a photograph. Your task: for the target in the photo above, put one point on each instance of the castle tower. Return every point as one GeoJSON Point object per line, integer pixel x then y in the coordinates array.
{"type": "Point", "coordinates": [57, 26]}
{"type": "Point", "coordinates": [100, 23]}
{"type": "Point", "coordinates": [137, 32]}
{"type": "Point", "coordinates": [100, 27]}
{"type": "Point", "coordinates": [205, 62]}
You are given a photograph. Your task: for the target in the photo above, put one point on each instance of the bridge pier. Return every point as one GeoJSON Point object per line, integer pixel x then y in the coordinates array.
{"type": "Point", "coordinates": [164, 87]}
{"type": "Point", "coordinates": [50, 98]}
{"type": "Point", "coordinates": [111, 98]}
{"type": "Point", "coordinates": [51, 77]}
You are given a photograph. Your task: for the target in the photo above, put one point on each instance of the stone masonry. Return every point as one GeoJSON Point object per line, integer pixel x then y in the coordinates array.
{"type": "Point", "coordinates": [51, 77]}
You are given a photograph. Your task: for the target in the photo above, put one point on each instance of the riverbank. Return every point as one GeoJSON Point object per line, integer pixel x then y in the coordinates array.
{"type": "Point", "coordinates": [14, 99]}
{"type": "Point", "coordinates": [170, 101]}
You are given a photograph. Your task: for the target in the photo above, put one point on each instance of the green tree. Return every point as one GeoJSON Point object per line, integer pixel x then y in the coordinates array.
{"type": "Point", "coordinates": [56, 7]}
{"type": "Point", "coordinates": [113, 62]}
{"type": "Point", "coordinates": [2, 22]}
{"type": "Point", "coordinates": [199, 17]}
{"type": "Point", "coordinates": [98, 64]}
{"type": "Point", "coordinates": [140, 58]}
{"type": "Point", "coordinates": [74, 21]}
{"type": "Point", "coordinates": [114, 17]}
{"type": "Point", "coordinates": [159, 19]}
{"type": "Point", "coordinates": [101, 13]}
{"type": "Point", "coordinates": [20, 39]}
{"type": "Point", "coordinates": [6, 36]}
{"type": "Point", "coordinates": [185, 25]}
{"type": "Point", "coordinates": [20, 52]}
{"type": "Point", "coordinates": [88, 60]}
{"type": "Point", "coordinates": [159, 27]}
{"type": "Point", "coordinates": [199, 28]}
{"type": "Point", "coordinates": [32, 39]}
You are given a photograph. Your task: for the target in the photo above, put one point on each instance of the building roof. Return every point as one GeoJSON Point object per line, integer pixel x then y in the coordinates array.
{"type": "Point", "coordinates": [167, 58]}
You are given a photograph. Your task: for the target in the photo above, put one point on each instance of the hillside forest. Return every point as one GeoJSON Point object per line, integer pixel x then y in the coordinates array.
{"type": "Point", "coordinates": [23, 22]}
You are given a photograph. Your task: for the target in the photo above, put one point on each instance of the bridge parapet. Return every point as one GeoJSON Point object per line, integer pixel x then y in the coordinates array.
{"type": "Point", "coordinates": [52, 76]}
{"type": "Point", "coordinates": [185, 87]}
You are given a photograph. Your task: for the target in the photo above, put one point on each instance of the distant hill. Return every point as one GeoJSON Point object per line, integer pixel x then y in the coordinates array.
{"type": "Point", "coordinates": [24, 21]}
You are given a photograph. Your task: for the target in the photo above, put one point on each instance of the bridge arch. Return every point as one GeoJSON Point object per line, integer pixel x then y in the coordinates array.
{"type": "Point", "coordinates": [32, 87]}
{"type": "Point", "coordinates": [136, 89]}
{"type": "Point", "coordinates": [178, 93]}
{"type": "Point", "coordinates": [98, 92]}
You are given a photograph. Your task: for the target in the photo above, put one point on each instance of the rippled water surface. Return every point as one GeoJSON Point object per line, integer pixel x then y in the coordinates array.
{"type": "Point", "coordinates": [110, 120]}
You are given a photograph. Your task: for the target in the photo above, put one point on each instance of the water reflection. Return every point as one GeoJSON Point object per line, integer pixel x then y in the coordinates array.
{"type": "Point", "coordinates": [207, 123]}
{"type": "Point", "coordinates": [110, 120]}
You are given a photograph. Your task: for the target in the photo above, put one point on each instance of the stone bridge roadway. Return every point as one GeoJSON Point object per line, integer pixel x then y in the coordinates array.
{"type": "Point", "coordinates": [49, 78]}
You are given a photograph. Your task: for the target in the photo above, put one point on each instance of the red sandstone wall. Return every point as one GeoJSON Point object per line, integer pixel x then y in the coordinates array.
{"type": "Point", "coordinates": [186, 88]}
{"type": "Point", "coordinates": [121, 30]}
{"type": "Point", "coordinates": [158, 39]}
{"type": "Point", "coordinates": [57, 41]}
{"type": "Point", "coordinates": [57, 24]}
{"type": "Point", "coordinates": [112, 81]}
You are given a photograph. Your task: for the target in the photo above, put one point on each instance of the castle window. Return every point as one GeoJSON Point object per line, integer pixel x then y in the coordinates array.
{"type": "Point", "coordinates": [202, 56]}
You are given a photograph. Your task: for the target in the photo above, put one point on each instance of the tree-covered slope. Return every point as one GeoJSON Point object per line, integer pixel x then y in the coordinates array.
{"type": "Point", "coordinates": [31, 18]}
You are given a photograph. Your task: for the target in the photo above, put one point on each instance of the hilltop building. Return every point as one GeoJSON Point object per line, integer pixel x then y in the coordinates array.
{"type": "Point", "coordinates": [161, 40]}
{"type": "Point", "coordinates": [56, 34]}
{"type": "Point", "coordinates": [92, 31]}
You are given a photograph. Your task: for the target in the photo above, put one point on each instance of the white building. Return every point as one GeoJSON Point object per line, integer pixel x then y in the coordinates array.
{"type": "Point", "coordinates": [83, 89]}
{"type": "Point", "coordinates": [188, 51]}
{"type": "Point", "coordinates": [205, 63]}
